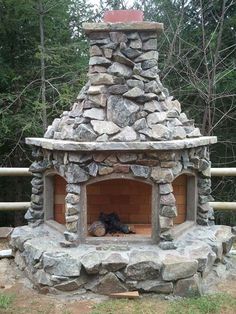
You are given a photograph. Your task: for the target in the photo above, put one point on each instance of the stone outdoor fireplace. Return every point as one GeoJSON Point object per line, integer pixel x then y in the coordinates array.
{"type": "Point", "coordinates": [124, 146]}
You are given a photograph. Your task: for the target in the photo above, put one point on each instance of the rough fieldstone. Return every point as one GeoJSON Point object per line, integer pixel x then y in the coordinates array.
{"type": "Point", "coordinates": [95, 51]}
{"type": "Point", "coordinates": [126, 157]}
{"type": "Point", "coordinates": [107, 52]}
{"type": "Point", "coordinates": [72, 198]}
{"type": "Point", "coordinates": [120, 69]}
{"type": "Point", "coordinates": [72, 218]}
{"type": "Point", "coordinates": [175, 268]}
{"type": "Point", "coordinates": [79, 157]}
{"type": "Point", "coordinates": [165, 188]}
{"type": "Point", "coordinates": [165, 223]}
{"type": "Point", "coordinates": [118, 89]}
{"type": "Point", "coordinates": [71, 209]}
{"type": "Point", "coordinates": [92, 169]}
{"type": "Point", "coordinates": [94, 113]}
{"type": "Point", "coordinates": [84, 133]}
{"type": "Point", "coordinates": [155, 117]}
{"type": "Point", "coordinates": [136, 43]}
{"type": "Point", "coordinates": [160, 175]}
{"type": "Point", "coordinates": [167, 245]}
{"type": "Point", "coordinates": [73, 188]}
{"type": "Point", "coordinates": [103, 170]}
{"type": "Point", "coordinates": [102, 138]}
{"type": "Point", "coordinates": [121, 111]}
{"type": "Point", "coordinates": [96, 89]}
{"type": "Point", "coordinates": [91, 262]}
{"type": "Point", "coordinates": [150, 73]}
{"type": "Point", "coordinates": [99, 61]}
{"type": "Point", "coordinates": [179, 133]}
{"type": "Point", "coordinates": [140, 124]}
{"type": "Point", "coordinates": [119, 168]}
{"type": "Point", "coordinates": [134, 93]}
{"type": "Point", "coordinates": [42, 278]}
{"type": "Point", "coordinates": [150, 44]}
{"type": "Point", "coordinates": [97, 69]}
{"type": "Point", "coordinates": [75, 174]}
{"type": "Point", "coordinates": [119, 57]}
{"type": "Point", "coordinates": [109, 284]}
{"type": "Point", "coordinates": [152, 106]}
{"type": "Point", "coordinates": [107, 127]}
{"type": "Point", "coordinates": [102, 79]}
{"type": "Point", "coordinates": [97, 100]}
{"type": "Point", "coordinates": [115, 261]}
{"type": "Point", "coordinates": [148, 64]}
{"type": "Point", "coordinates": [130, 52]}
{"type": "Point", "coordinates": [135, 83]}
{"type": "Point", "coordinates": [70, 285]}
{"type": "Point", "coordinates": [140, 171]}
{"type": "Point", "coordinates": [189, 287]}
{"type": "Point", "coordinates": [118, 37]}
{"type": "Point", "coordinates": [155, 286]}
{"type": "Point", "coordinates": [127, 134]}
{"type": "Point", "coordinates": [169, 211]}
{"type": "Point", "coordinates": [61, 264]}
{"type": "Point", "coordinates": [195, 133]}
{"type": "Point", "coordinates": [147, 56]}
{"type": "Point", "coordinates": [70, 236]}
{"type": "Point", "coordinates": [167, 199]}
{"type": "Point", "coordinates": [143, 265]}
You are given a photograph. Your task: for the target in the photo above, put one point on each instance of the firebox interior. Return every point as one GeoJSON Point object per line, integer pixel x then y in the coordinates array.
{"type": "Point", "coordinates": [131, 200]}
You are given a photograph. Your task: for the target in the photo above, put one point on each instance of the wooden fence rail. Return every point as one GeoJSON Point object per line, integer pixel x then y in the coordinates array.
{"type": "Point", "coordinates": [14, 172]}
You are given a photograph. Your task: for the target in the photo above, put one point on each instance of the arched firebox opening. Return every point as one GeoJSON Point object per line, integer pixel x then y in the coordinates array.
{"type": "Point", "coordinates": [184, 190]}
{"type": "Point", "coordinates": [130, 200]}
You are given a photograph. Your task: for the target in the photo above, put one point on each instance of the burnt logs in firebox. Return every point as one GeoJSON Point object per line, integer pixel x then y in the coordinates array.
{"type": "Point", "coordinates": [109, 223]}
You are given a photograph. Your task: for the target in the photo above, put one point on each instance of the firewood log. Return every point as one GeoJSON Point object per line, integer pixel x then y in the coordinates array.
{"type": "Point", "coordinates": [97, 229]}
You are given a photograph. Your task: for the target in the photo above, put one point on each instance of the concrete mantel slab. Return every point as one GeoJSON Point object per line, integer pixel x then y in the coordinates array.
{"type": "Point", "coordinates": [65, 145]}
{"type": "Point", "coordinates": [111, 27]}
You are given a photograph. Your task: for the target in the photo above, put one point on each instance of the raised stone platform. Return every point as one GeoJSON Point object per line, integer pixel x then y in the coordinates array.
{"type": "Point", "coordinates": [177, 267]}
{"type": "Point", "coordinates": [52, 144]}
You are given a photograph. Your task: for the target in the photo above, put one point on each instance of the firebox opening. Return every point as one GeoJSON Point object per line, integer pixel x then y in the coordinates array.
{"type": "Point", "coordinates": [129, 199]}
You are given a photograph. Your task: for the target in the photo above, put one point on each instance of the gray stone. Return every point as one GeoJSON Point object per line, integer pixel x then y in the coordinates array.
{"type": "Point", "coordinates": [109, 284]}
{"type": "Point", "coordinates": [92, 169]}
{"type": "Point", "coordinates": [37, 199]}
{"type": "Point", "coordinates": [135, 83]}
{"type": "Point", "coordinates": [115, 261]}
{"type": "Point", "coordinates": [102, 138]}
{"type": "Point", "coordinates": [148, 64]}
{"type": "Point", "coordinates": [147, 56]}
{"type": "Point", "coordinates": [121, 110]}
{"type": "Point", "coordinates": [169, 211]}
{"type": "Point", "coordinates": [134, 93]}
{"type": "Point", "coordinates": [155, 286]}
{"type": "Point", "coordinates": [150, 44]}
{"type": "Point", "coordinates": [119, 69]}
{"type": "Point", "coordinates": [96, 89]}
{"type": "Point", "coordinates": [127, 134]}
{"type": "Point", "coordinates": [126, 157]}
{"type": "Point", "coordinates": [84, 133]}
{"type": "Point", "coordinates": [155, 117]}
{"type": "Point", "coordinates": [107, 127]}
{"type": "Point", "coordinates": [73, 188]}
{"type": "Point", "coordinates": [130, 52]}
{"type": "Point", "coordinates": [175, 268]}
{"type": "Point", "coordinates": [42, 278]}
{"type": "Point", "coordinates": [140, 171]}
{"type": "Point", "coordinates": [118, 37]}
{"type": "Point", "coordinates": [165, 224]}
{"type": "Point", "coordinates": [143, 265]}
{"type": "Point", "coordinates": [147, 35]}
{"type": "Point", "coordinates": [61, 264]}
{"type": "Point", "coordinates": [97, 69]}
{"type": "Point", "coordinates": [99, 61]}
{"type": "Point", "coordinates": [167, 199]}
{"type": "Point", "coordinates": [150, 73]}
{"type": "Point", "coordinates": [107, 52]}
{"type": "Point", "coordinates": [179, 133]}
{"type": "Point", "coordinates": [70, 285]}
{"type": "Point", "coordinates": [189, 287]}
{"type": "Point", "coordinates": [159, 132]}
{"type": "Point", "coordinates": [32, 215]}
{"type": "Point", "coordinates": [103, 170]}
{"type": "Point", "coordinates": [165, 188]}
{"type": "Point", "coordinates": [152, 106]}
{"type": "Point", "coordinates": [75, 174]}
{"type": "Point", "coordinates": [72, 218]}
{"type": "Point", "coordinates": [167, 245]}
{"type": "Point", "coordinates": [140, 124]}
{"type": "Point", "coordinates": [102, 79]}
{"type": "Point", "coordinates": [104, 41]}
{"type": "Point", "coordinates": [94, 113]}
{"type": "Point", "coordinates": [79, 157]}
{"type": "Point", "coordinates": [160, 175]}
{"type": "Point", "coordinates": [118, 89]}
{"type": "Point", "coordinates": [72, 198]}
{"type": "Point", "coordinates": [95, 51]}
{"type": "Point", "coordinates": [135, 43]}
{"type": "Point", "coordinates": [70, 236]}
{"type": "Point", "coordinates": [20, 261]}
{"type": "Point", "coordinates": [98, 100]}
{"type": "Point", "coordinates": [119, 57]}
{"type": "Point", "coordinates": [195, 133]}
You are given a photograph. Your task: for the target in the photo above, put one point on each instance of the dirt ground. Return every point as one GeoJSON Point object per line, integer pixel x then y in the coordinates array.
{"type": "Point", "coordinates": [12, 282]}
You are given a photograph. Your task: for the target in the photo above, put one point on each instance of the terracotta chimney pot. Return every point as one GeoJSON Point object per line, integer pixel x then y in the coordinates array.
{"type": "Point", "coordinates": [123, 16]}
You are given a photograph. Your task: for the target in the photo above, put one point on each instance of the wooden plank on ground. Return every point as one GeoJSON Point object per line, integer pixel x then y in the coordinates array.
{"type": "Point", "coordinates": [125, 295]}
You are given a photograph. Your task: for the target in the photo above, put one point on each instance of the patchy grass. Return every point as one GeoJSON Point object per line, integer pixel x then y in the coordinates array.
{"type": "Point", "coordinates": [211, 304]}
{"type": "Point", "coordinates": [5, 301]}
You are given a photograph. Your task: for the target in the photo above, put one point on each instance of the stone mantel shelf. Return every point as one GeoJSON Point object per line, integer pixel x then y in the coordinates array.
{"type": "Point", "coordinates": [111, 27]}
{"type": "Point", "coordinates": [65, 145]}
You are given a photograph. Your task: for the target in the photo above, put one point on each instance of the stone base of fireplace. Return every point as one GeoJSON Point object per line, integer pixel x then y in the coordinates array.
{"type": "Point", "coordinates": [178, 267]}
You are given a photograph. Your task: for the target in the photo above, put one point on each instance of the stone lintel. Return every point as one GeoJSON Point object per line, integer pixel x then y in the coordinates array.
{"type": "Point", "coordinates": [129, 27]}
{"type": "Point", "coordinates": [65, 145]}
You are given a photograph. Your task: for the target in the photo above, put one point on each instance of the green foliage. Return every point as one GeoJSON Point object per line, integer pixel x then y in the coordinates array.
{"type": "Point", "coordinates": [5, 301]}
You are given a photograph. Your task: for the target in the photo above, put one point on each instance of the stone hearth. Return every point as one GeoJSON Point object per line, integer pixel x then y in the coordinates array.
{"type": "Point", "coordinates": [124, 146]}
